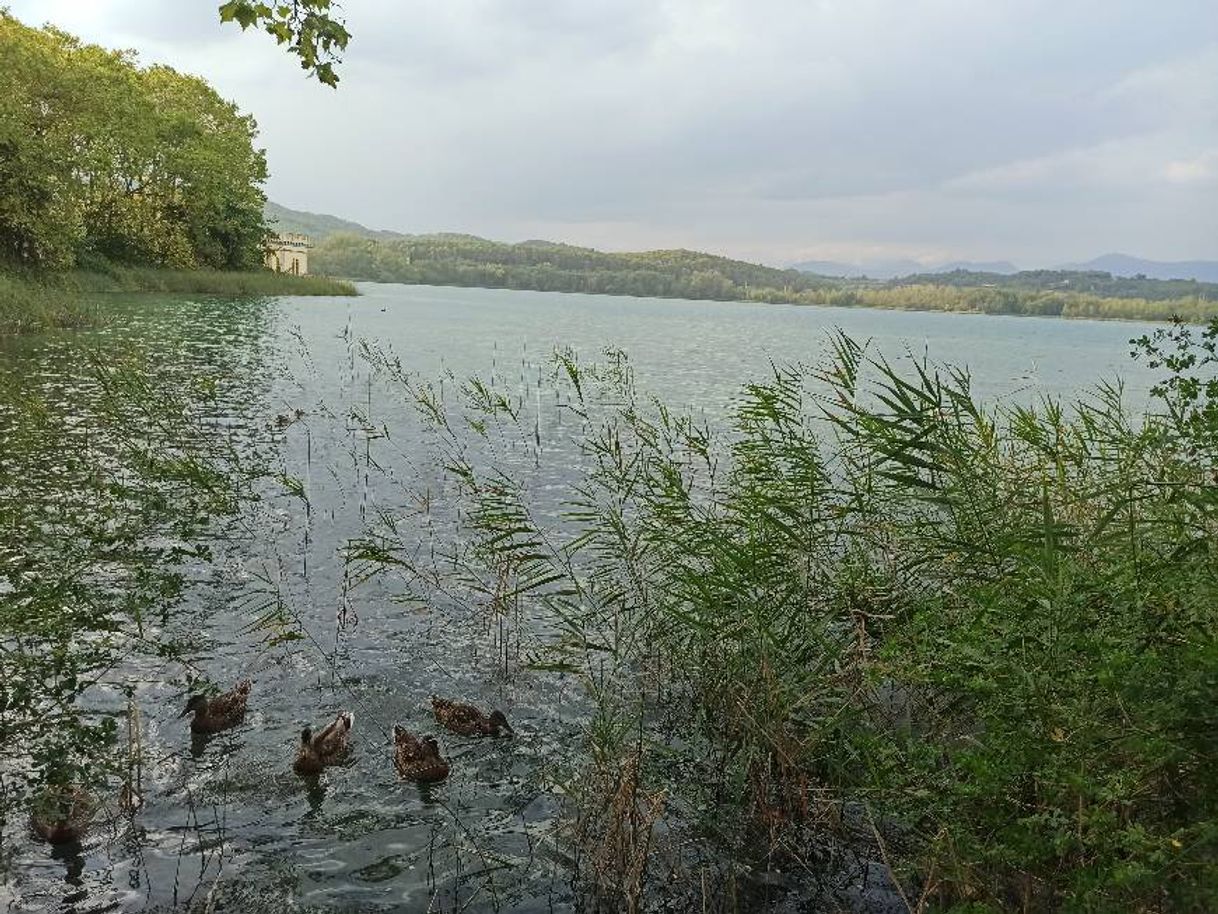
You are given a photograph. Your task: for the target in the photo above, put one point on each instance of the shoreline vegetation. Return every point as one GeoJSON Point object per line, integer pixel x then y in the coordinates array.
{"type": "Point", "coordinates": [71, 299]}
{"type": "Point", "coordinates": [465, 260]}
{"type": "Point", "coordinates": [868, 618]}
{"type": "Point", "coordinates": [869, 625]}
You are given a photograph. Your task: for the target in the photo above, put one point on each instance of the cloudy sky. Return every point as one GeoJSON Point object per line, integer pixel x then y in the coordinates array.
{"type": "Point", "coordinates": [1039, 131]}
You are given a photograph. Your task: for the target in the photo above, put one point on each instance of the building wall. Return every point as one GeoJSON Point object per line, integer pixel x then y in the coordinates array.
{"type": "Point", "coordinates": [288, 261]}
{"type": "Point", "coordinates": [288, 253]}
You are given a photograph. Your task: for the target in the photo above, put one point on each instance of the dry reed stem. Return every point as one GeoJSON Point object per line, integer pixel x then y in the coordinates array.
{"type": "Point", "coordinates": [619, 834]}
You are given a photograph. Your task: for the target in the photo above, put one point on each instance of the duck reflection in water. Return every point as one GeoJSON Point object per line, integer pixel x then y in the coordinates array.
{"type": "Point", "coordinates": [315, 795]}
{"type": "Point", "coordinates": [72, 857]}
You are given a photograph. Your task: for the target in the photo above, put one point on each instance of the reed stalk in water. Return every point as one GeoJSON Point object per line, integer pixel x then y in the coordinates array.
{"type": "Point", "coordinates": [971, 643]}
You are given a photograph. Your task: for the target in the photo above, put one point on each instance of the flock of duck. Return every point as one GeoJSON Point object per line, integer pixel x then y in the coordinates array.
{"type": "Point", "coordinates": [65, 815]}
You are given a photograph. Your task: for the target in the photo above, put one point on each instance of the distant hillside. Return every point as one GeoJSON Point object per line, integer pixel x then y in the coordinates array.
{"type": "Point", "coordinates": [465, 260]}
{"type": "Point", "coordinates": [1002, 267]}
{"type": "Point", "coordinates": [321, 226]}
{"type": "Point", "coordinates": [1120, 265]}
{"type": "Point", "coordinates": [1125, 265]}
{"type": "Point", "coordinates": [875, 269]}
{"type": "Point", "coordinates": [348, 249]}
{"type": "Point", "coordinates": [545, 266]}
{"type": "Point", "coordinates": [318, 225]}
{"type": "Point", "coordinates": [891, 269]}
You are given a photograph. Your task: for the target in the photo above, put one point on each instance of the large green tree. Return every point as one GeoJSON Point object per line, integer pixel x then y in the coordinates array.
{"type": "Point", "coordinates": [41, 101]}
{"type": "Point", "coordinates": [102, 158]}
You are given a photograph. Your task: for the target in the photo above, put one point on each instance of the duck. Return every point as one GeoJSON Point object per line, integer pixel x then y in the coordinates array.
{"type": "Point", "coordinates": [318, 751]}
{"type": "Point", "coordinates": [221, 712]}
{"type": "Point", "coordinates": [62, 815]}
{"type": "Point", "coordinates": [468, 720]}
{"type": "Point", "coordinates": [417, 758]}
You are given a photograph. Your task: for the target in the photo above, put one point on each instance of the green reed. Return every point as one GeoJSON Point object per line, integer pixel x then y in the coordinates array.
{"type": "Point", "coordinates": [34, 302]}
{"type": "Point", "coordinates": [28, 306]}
{"type": "Point", "coordinates": [976, 643]}
{"type": "Point", "coordinates": [105, 278]}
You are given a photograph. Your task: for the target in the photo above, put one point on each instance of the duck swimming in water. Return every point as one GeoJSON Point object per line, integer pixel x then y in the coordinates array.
{"type": "Point", "coordinates": [417, 758]}
{"type": "Point", "coordinates": [221, 712]}
{"type": "Point", "coordinates": [62, 814]}
{"type": "Point", "coordinates": [318, 751]}
{"type": "Point", "coordinates": [468, 720]}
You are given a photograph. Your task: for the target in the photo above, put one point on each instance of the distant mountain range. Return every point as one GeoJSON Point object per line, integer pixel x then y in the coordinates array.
{"type": "Point", "coordinates": [321, 226]}
{"type": "Point", "coordinates": [1117, 264]}
{"type": "Point", "coordinates": [1125, 265]}
{"type": "Point", "coordinates": [890, 269]}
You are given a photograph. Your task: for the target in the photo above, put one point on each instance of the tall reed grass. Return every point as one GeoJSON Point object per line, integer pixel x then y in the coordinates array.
{"type": "Point", "coordinates": [873, 620]}
{"type": "Point", "coordinates": [104, 496]}
{"type": "Point", "coordinates": [27, 306]}
{"type": "Point", "coordinates": [34, 302]}
{"type": "Point", "coordinates": [111, 278]}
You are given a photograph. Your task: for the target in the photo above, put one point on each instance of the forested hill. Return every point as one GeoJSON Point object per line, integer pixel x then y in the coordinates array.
{"type": "Point", "coordinates": [464, 260]}
{"type": "Point", "coordinates": [318, 226]}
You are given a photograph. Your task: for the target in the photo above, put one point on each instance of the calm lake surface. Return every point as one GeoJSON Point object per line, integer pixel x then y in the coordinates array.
{"type": "Point", "coordinates": [226, 825]}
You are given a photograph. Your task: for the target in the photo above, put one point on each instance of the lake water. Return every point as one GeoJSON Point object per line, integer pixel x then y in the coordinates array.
{"type": "Point", "coordinates": [226, 824]}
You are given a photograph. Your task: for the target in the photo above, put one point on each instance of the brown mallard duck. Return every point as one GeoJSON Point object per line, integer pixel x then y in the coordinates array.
{"type": "Point", "coordinates": [329, 747]}
{"type": "Point", "coordinates": [417, 758]}
{"type": "Point", "coordinates": [468, 720]}
{"type": "Point", "coordinates": [221, 712]}
{"type": "Point", "coordinates": [62, 814]}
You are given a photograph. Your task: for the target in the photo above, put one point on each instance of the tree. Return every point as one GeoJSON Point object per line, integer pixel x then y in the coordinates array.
{"type": "Point", "coordinates": [209, 174]}
{"type": "Point", "coordinates": [40, 101]}
{"type": "Point", "coordinates": [99, 157]}
{"type": "Point", "coordinates": [307, 27]}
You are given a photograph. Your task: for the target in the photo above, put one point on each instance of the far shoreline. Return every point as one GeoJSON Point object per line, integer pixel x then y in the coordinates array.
{"type": "Point", "coordinates": [1198, 320]}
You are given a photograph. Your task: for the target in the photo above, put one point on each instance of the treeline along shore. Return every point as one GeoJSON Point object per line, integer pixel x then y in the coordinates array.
{"type": "Point", "coordinates": [117, 177]}
{"type": "Point", "coordinates": [465, 260]}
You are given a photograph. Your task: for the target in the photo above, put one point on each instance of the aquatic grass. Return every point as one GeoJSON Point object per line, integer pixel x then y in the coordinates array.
{"type": "Point", "coordinates": [877, 619]}
{"type": "Point", "coordinates": [158, 459]}
{"type": "Point", "coordinates": [27, 306]}
{"type": "Point", "coordinates": [870, 624]}
{"type": "Point", "coordinates": [111, 278]}
{"type": "Point", "coordinates": [97, 518]}
{"type": "Point", "coordinates": [36, 302]}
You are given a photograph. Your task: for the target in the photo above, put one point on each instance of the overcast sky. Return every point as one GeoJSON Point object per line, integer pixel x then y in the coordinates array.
{"type": "Point", "coordinates": [1039, 131]}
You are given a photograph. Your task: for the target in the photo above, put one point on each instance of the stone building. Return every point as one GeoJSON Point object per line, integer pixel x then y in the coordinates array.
{"type": "Point", "coordinates": [288, 253]}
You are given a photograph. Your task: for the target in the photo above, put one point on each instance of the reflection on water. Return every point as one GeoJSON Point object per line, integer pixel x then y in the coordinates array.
{"type": "Point", "coordinates": [226, 825]}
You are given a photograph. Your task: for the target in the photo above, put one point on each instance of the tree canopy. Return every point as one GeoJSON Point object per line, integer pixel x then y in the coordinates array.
{"type": "Point", "coordinates": [100, 157]}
